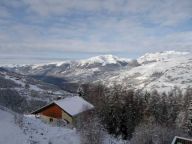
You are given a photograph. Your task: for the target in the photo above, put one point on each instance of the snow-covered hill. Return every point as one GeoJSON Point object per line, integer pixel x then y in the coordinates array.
{"type": "Point", "coordinates": [162, 71]}
{"type": "Point", "coordinates": [10, 133]}
{"type": "Point", "coordinates": [28, 129]}
{"type": "Point", "coordinates": [19, 129]}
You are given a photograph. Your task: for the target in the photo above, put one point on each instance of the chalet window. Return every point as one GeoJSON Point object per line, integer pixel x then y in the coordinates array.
{"type": "Point", "coordinates": [51, 120]}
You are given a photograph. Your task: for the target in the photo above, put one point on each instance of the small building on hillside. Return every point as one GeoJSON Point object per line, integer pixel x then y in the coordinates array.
{"type": "Point", "coordinates": [190, 114]}
{"type": "Point", "coordinates": [65, 109]}
{"type": "Point", "coordinates": [181, 140]}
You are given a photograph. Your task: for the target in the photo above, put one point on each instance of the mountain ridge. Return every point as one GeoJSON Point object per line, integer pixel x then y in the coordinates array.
{"type": "Point", "coordinates": [160, 70]}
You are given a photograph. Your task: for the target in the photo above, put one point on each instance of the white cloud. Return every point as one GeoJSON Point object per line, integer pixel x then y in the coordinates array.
{"type": "Point", "coordinates": [177, 41]}
{"type": "Point", "coordinates": [166, 12]}
{"type": "Point", "coordinates": [48, 26]}
{"type": "Point", "coordinates": [171, 12]}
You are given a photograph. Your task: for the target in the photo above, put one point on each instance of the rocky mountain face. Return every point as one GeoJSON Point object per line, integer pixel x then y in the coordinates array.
{"type": "Point", "coordinates": [162, 71]}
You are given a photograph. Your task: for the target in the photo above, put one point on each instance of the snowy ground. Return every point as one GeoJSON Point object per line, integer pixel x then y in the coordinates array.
{"type": "Point", "coordinates": [9, 132]}
{"type": "Point", "coordinates": [34, 131]}
{"type": "Point", "coordinates": [42, 133]}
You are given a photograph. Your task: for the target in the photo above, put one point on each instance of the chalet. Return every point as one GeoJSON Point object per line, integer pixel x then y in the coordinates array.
{"type": "Point", "coordinates": [190, 114]}
{"type": "Point", "coordinates": [181, 140]}
{"type": "Point", "coordinates": [65, 109]}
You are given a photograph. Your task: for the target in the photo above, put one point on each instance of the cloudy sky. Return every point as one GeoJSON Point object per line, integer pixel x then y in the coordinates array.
{"type": "Point", "coordinates": [57, 29]}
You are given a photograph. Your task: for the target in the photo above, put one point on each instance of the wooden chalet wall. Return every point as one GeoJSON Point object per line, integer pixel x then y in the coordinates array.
{"type": "Point", "coordinates": [53, 111]}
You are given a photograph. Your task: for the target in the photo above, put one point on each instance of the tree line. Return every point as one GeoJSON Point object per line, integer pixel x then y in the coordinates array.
{"type": "Point", "coordinates": [140, 117]}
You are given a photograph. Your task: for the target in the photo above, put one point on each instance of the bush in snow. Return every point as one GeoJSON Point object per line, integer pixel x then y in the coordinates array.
{"type": "Point", "coordinates": [89, 127]}
{"type": "Point", "coordinates": [152, 133]}
{"type": "Point", "coordinates": [92, 132]}
{"type": "Point", "coordinates": [18, 118]}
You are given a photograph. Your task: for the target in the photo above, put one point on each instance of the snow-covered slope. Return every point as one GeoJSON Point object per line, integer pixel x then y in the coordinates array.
{"type": "Point", "coordinates": [104, 60]}
{"type": "Point", "coordinates": [161, 71]}
{"type": "Point", "coordinates": [10, 133]}
{"type": "Point", "coordinates": [27, 129]}
{"type": "Point", "coordinates": [161, 56]}
{"type": "Point", "coordinates": [18, 129]}
{"type": "Point", "coordinates": [42, 133]}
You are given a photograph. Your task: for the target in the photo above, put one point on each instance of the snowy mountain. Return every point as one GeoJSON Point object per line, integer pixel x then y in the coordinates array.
{"type": "Point", "coordinates": [105, 60]}
{"type": "Point", "coordinates": [61, 68]}
{"type": "Point", "coordinates": [160, 56]}
{"type": "Point", "coordinates": [161, 70]}
{"type": "Point", "coordinates": [68, 74]}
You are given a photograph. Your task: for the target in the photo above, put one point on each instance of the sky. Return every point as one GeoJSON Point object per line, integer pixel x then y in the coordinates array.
{"type": "Point", "coordinates": [42, 30]}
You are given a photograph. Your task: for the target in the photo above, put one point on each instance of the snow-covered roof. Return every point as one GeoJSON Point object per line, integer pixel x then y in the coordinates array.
{"type": "Point", "coordinates": [181, 139]}
{"type": "Point", "coordinates": [74, 105]}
